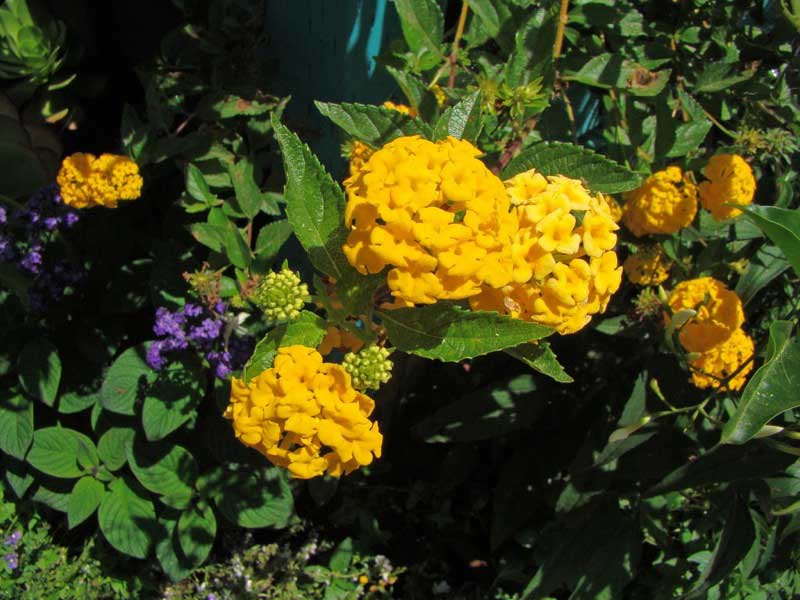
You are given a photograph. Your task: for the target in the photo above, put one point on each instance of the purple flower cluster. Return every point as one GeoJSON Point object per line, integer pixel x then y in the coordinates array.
{"type": "Point", "coordinates": [197, 328]}
{"type": "Point", "coordinates": [11, 558]}
{"type": "Point", "coordinates": [25, 236]}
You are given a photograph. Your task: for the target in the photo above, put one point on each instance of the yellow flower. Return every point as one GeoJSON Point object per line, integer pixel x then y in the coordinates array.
{"type": "Point", "coordinates": [86, 180]}
{"type": "Point", "coordinates": [665, 203]}
{"type": "Point", "coordinates": [435, 215]}
{"type": "Point", "coordinates": [359, 154]}
{"type": "Point", "coordinates": [648, 266]}
{"type": "Point", "coordinates": [714, 367]}
{"type": "Point", "coordinates": [730, 180]}
{"type": "Point", "coordinates": [304, 415]}
{"type": "Point", "coordinates": [438, 92]}
{"type": "Point", "coordinates": [339, 338]}
{"type": "Point", "coordinates": [719, 312]}
{"type": "Point", "coordinates": [406, 110]}
{"type": "Point", "coordinates": [564, 268]}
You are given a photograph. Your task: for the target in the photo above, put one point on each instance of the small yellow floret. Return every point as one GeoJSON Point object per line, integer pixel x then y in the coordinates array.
{"type": "Point", "coordinates": [336, 338]}
{"type": "Point", "coordinates": [665, 203]}
{"type": "Point", "coordinates": [730, 180]}
{"type": "Point", "coordinates": [86, 180]}
{"type": "Point", "coordinates": [714, 367]}
{"type": "Point", "coordinates": [648, 266]}
{"type": "Point", "coordinates": [402, 108]}
{"type": "Point", "coordinates": [304, 415]}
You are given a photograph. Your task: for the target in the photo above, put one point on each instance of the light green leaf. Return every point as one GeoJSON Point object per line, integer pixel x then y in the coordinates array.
{"type": "Point", "coordinates": [374, 125]}
{"type": "Point", "coordinates": [126, 381]}
{"type": "Point", "coordinates": [113, 446]}
{"type": "Point", "coordinates": [541, 357]}
{"type": "Point", "coordinates": [16, 424]}
{"type": "Point", "coordinates": [558, 158]}
{"type": "Point", "coordinates": [84, 500]}
{"type": "Point", "coordinates": [271, 238]}
{"type": "Point", "coordinates": [209, 235]}
{"type": "Point", "coordinates": [782, 226]}
{"type": "Point", "coordinates": [197, 187]}
{"type": "Point", "coordinates": [342, 556]}
{"type": "Point", "coordinates": [127, 518]}
{"type": "Point", "coordinates": [40, 370]}
{"type": "Point", "coordinates": [307, 330]}
{"type": "Point", "coordinates": [55, 451]}
{"type": "Point", "coordinates": [164, 469]}
{"type": "Point", "coordinates": [314, 204]}
{"type": "Point", "coordinates": [450, 333]}
{"type": "Point", "coordinates": [462, 121]}
{"type": "Point", "coordinates": [486, 12]}
{"type": "Point", "coordinates": [423, 26]}
{"type": "Point", "coordinates": [75, 402]}
{"type": "Point", "coordinates": [771, 390]}
{"type": "Point", "coordinates": [197, 528]}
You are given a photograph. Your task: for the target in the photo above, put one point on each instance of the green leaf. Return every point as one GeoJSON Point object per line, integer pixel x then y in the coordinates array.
{"type": "Point", "coordinates": [209, 235]}
{"type": "Point", "coordinates": [689, 136]}
{"type": "Point", "coordinates": [83, 501]}
{"type": "Point", "coordinates": [342, 556]}
{"type": "Point", "coordinates": [532, 57]}
{"type": "Point", "coordinates": [314, 205]}
{"type": "Point", "coordinates": [17, 475]}
{"type": "Point", "coordinates": [771, 390]}
{"type": "Point", "coordinates": [375, 125]}
{"type": "Point", "coordinates": [247, 193]}
{"type": "Point", "coordinates": [75, 402]}
{"type": "Point", "coordinates": [56, 500]}
{"type": "Point", "coordinates": [541, 357]}
{"type": "Point", "coordinates": [451, 334]}
{"type": "Point", "coordinates": [782, 226]}
{"type": "Point", "coordinates": [419, 96]}
{"type": "Point", "coordinates": [736, 540]}
{"type": "Point", "coordinates": [197, 187]}
{"type": "Point", "coordinates": [558, 158]}
{"type": "Point", "coordinates": [487, 413]}
{"type": "Point", "coordinates": [134, 133]}
{"type": "Point", "coordinates": [164, 469]}
{"type": "Point", "coordinates": [127, 518]}
{"type": "Point", "coordinates": [55, 451]}
{"type": "Point", "coordinates": [422, 23]}
{"type": "Point", "coordinates": [16, 424]}
{"type": "Point", "coordinates": [767, 264]}
{"type": "Point", "coordinates": [252, 498]}
{"type": "Point", "coordinates": [307, 330]}
{"type": "Point", "coordinates": [126, 381]}
{"type": "Point", "coordinates": [462, 121]}
{"type": "Point", "coordinates": [197, 529]}
{"type": "Point", "coordinates": [236, 248]}
{"type": "Point", "coordinates": [40, 370]}
{"type": "Point", "coordinates": [271, 238]}
{"type": "Point", "coordinates": [172, 398]}
{"type": "Point", "coordinates": [484, 10]}
{"type": "Point", "coordinates": [113, 447]}
{"type": "Point", "coordinates": [168, 548]}
{"type": "Point", "coordinates": [718, 76]}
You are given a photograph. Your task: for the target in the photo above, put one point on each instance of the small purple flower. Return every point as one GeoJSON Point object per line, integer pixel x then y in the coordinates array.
{"type": "Point", "coordinates": [70, 218]}
{"type": "Point", "coordinates": [12, 560]}
{"type": "Point", "coordinates": [211, 597]}
{"type": "Point", "coordinates": [168, 323]}
{"type": "Point", "coordinates": [51, 223]}
{"type": "Point", "coordinates": [32, 260]}
{"type": "Point", "coordinates": [153, 357]}
{"type": "Point", "coordinates": [192, 310]}
{"type": "Point", "coordinates": [208, 331]}
{"type": "Point", "coordinates": [3, 215]}
{"type": "Point", "coordinates": [13, 539]}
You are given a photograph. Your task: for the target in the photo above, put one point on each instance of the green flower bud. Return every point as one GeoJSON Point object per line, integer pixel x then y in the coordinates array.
{"type": "Point", "coordinates": [281, 296]}
{"type": "Point", "coordinates": [368, 368]}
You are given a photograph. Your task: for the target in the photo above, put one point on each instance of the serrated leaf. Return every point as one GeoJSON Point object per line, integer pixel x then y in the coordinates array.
{"type": "Point", "coordinates": [422, 23]}
{"type": "Point", "coordinates": [450, 333]}
{"type": "Point", "coordinates": [40, 370]}
{"type": "Point", "coordinates": [307, 330]}
{"type": "Point", "coordinates": [127, 518]}
{"type": "Point", "coordinates": [541, 357]}
{"type": "Point", "coordinates": [252, 498]}
{"type": "Point", "coordinates": [532, 57]}
{"type": "Point", "coordinates": [16, 424]}
{"type": "Point", "coordinates": [462, 121]}
{"type": "Point", "coordinates": [197, 529]}
{"type": "Point", "coordinates": [271, 238]}
{"type": "Point", "coordinates": [164, 469]}
{"type": "Point", "coordinates": [558, 158]}
{"type": "Point", "coordinates": [375, 125]}
{"type": "Point", "coordinates": [718, 76]}
{"type": "Point", "coordinates": [782, 226]}
{"type": "Point", "coordinates": [112, 448]}
{"type": "Point", "coordinates": [771, 390]}
{"type": "Point", "coordinates": [314, 204]}
{"type": "Point", "coordinates": [248, 195]}
{"type": "Point", "coordinates": [55, 451]}
{"type": "Point", "coordinates": [126, 381]}
{"type": "Point", "coordinates": [83, 501]}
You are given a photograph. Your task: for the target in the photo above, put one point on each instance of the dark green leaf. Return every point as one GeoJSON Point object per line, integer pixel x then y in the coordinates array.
{"type": "Point", "coordinates": [557, 158]}
{"type": "Point", "coordinates": [113, 447]}
{"type": "Point", "coordinates": [767, 264]}
{"type": "Point", "coordinates": [450, 333]}
{"type": "Point", "coordinates": [197, 187]}
{"type": "Point", "coordinates": [168, 548]}
{"type": "Point", "coordinates": [75, 402]}
{"type": "Point", "coordinates": [55, 451]}
{"type": "Point", "coordinates": [127, 518]}
{"type": "Point", "coordinates": [247, 193]}
{"type": "Point", "coordinates": [532, 57]}
{"type": "Point", "coordinates": [423, 26]}
{"type": "Point", "coordinates": [252, 498]}
{"type": "Point", "coordinates": [307, 330]}
{"type": "Point", "coordinates": [271, 238]}
{"type": "Point", "coordinates": [209, 235]}
{"type": "Point", "coordinates": [84, 500]}
{"type": "Point", "coordinates": [197, 528]}
{"type": "Point", "coordinates": [771, 390]}
{"type": "Point", "coordinates": [172, 398]}
{"type": "Point", "coordinates": [40, 370]}
{"type": "Point", "coordinates": [782, 226]}
{"type": "Point", "coordinates": [16, 424]}
{"type": "Point", "coordinates": [718, 76]}
{"type": "Point", "coordinates": [163, 468]}
{"type": "Point", "coordinates": [126, 381]}
{"type": "Point", "coordinates": [541, 357]}
{"type": "Point", "coordinates": [375, 125]}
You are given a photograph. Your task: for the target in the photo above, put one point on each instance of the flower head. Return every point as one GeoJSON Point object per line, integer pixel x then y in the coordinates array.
{"type": "Point", "coordinates": [401, 108]}
{"type": "Point", "coordinates": [665, 203]}
{"type": "Point", "coordinates": [648, 266]}
{"type": "Point", "coordinates": [732, 357]}
{"type": "Point", "coordinates": [368, 368]}
{"type": "Point", "coordinates": [729, 180]}
{"type": "Point", "coordinates": [719, 312]}
{"type": "Point", "coordinates": [339, 338]}
{"type": "Point", "coordinates": [303, 414]}
{"type": "Point", "coordinates": [281, 296]}
{"type": "Point", "coordinates": [87, 180]}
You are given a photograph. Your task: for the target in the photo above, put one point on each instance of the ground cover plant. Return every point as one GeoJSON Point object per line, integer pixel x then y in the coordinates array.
{"type": "Point", "coordinates": [533, 336]}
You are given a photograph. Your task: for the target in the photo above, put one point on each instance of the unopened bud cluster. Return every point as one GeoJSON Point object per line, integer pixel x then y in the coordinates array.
{"type": "Point", "coordinates": [281, 296]}
{"type": "Point", "coordinates": [369, 368]}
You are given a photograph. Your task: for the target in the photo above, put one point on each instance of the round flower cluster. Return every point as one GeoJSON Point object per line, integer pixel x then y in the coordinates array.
{"type": "Point", "coordinates": [435, 214]}
{"type": "Point", "coordinates": [649, 266]}
{"type": "Point", "coordinates": [197, 328]}
{"type": "Point", "coordinates": [665, 203]}
{"type": "Point", "coordinates": [714, 332]}
{"type": "Point", "coordinates": [339, 338]}
{"type": "Point", "coordinates": [281, 296]}
{"type": "Point", "coordinates": [729, 180]}
{"type": "Point", "coordinates": [369, 368]}
{"type": "Point", "coordinates": [87, 180]}
{"type": "Point", "coordinates": [303, 414]}
{"type": "Point", "coordinates": [563, 265]}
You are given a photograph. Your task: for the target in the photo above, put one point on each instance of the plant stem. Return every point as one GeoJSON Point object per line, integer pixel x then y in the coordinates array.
{"type": "Point", "coordinates": [462, 19]}
{"type": "Point", "coordinates": [562, 24]}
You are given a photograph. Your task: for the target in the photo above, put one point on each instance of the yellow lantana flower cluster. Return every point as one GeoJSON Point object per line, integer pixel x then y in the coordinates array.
{"type": "Point", "coordinates": [339, 338]}
{"type": "Point", "coordinates": [665, 203]}
{"type": "Point", "coordinates": [87, 180]}
{"type": "Point", "coordinates": [563, 265]}
{"type": "Point", "coordinates": [433, 213]}
{"type": "Point", "coordinates": [729, 180]}
{"type": "Point", "coordinates": [648, 266]}
{"type": "Point", "coordinates": [304, 415]}
{"type": "Point", "coordinates": [714, 332]}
